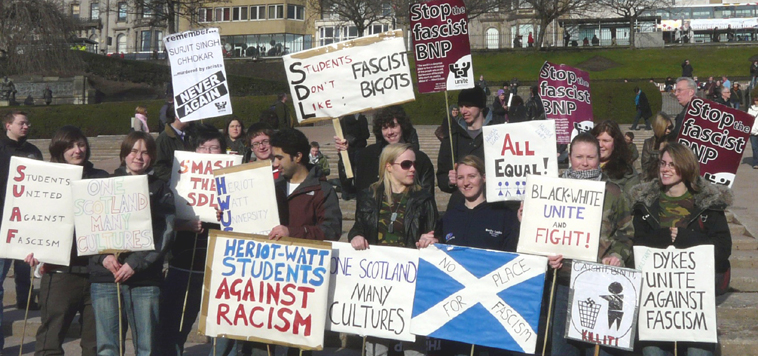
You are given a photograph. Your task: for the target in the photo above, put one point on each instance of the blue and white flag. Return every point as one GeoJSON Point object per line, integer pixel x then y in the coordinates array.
{"type": "Point", "coordinates": [479, 297]}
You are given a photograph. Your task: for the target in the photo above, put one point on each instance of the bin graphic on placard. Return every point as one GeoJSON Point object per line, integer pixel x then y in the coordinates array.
{"type": "Point", "coordinates": [588, 311]}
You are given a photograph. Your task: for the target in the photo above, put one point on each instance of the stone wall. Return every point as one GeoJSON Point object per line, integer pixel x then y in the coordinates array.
{"type": "Point", "coordinates": [69, 90]}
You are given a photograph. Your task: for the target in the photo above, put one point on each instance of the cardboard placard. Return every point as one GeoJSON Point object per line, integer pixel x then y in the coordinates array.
{"type": "Point", "coordinates": [564, 217]}
{"type": "Point", "coordinates": [678, 300]}
{"type": "Point", "coordinates": [194, 185]}
{"type": "Point", "coordinates": [565, 94]}
{"type": "Point", "coordinates": [274, 290]}
{"type": "Point", "coordinates": [603, 304]}
{"type": "Point", "coordinates": [514, 151]}
{"type": "Point", "coordinates": [112, 215]}
{"type": "Point", "coordinates": [371, 291]}
{"type": "Point", "coordinates": [348, 77]}
{"type": "Point", "coordinates": [480, 297]}
{"type": "Point", "coordinates": [246, 198]}
{"type": "Point", "coordinates": [37, 215]}
{"type": "Point", "coordinates": [198, 74]}
{"type": "Point", "coordinates": [439, 29]}
{"type": "Point", "coordinates": [718, 135]}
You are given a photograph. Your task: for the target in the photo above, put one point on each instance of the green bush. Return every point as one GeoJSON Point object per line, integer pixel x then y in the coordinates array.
{"type": "Point", "coordinates": [613, 100]}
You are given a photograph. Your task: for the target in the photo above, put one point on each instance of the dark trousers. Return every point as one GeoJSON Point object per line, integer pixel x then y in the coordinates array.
{"type": "Point", "coordinates": [637, 119]}
{"type": "Point", "coordinates": [170, 339]}
{"type": "Point", "coordinates": [61, 296]}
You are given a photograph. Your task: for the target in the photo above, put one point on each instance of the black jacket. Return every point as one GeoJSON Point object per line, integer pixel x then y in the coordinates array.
{"type": "Point", "coordinates": [147, 265]}
{"type": "Point", "coordinates": [707, 225]}
{"type": "Point", "coordinates": [420, 216]}
{"type": "Point", "coordinates": [489, 226]}
{"type": "Point", "coordinates": [644, 106]}
{"type": "Point", "coordinates": [8, 149]}
{"type": "Point", "coordinates": [367, 167]}
{"type": "Point", "coordinates": [687, 70]}
{"type": "Point", "coordinates": [168, 142]}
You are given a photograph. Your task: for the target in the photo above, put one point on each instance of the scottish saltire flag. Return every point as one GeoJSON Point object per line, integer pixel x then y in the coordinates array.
{"type": "Point", "coordinates": [479, 297]}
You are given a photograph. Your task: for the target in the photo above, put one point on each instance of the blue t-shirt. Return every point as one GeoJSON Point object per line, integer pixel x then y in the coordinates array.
{"type": "Point", "coordinates": [488, 226]}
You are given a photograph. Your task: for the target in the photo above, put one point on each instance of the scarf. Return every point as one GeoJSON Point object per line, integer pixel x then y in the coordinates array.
{"type": "Point", "coordinates": [143, 118]}
{"type": "Point", "coordinates": [592, 174]}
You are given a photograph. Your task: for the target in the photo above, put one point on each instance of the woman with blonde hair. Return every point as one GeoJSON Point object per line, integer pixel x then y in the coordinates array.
{"type": "Point", "coordinates": [663, 133]}
{"type": "Point", "coordinates": [394, 211]}
{"type": "Point", "coordinates": [139, 122]}
{"type": "Point", "coordinates": [681, 209]}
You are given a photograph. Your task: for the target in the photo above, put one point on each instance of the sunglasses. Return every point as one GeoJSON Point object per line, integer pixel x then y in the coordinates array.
{"type": "Point", "coordinates": [670, 127]}
{"type": "Point", "coordinates": [407, 164]}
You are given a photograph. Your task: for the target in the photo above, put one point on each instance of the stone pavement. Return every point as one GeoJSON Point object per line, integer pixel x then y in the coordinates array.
{"type": "Point", "coordinates": [737, 310]}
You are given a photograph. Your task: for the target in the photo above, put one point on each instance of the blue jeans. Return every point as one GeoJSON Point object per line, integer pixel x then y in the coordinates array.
{"type": "Point", "coordinates": [224, 347]}
{"type": "Point", "coordinates": [139, 307]}
{"type": "Point", "coordinates": [22, 277]}
{"type": "Point", "coordinates": [559, 344]}
{"type": "Point", "coordinates": [753, 144]}
{"type": "Point", "coordinates": [172, 301]}
{"type": "Point", "coordinates": [690, 350]}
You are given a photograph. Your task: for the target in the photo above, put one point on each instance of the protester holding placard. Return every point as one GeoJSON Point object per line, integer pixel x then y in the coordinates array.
{"type": "Point", "coordinates": [682, 209]}
{"type": "Point", "coordinates": [14, 144]}
{"type": "Point", "coordinates": [173, 138]}
{"type": "Point", "coordinates": [391, 125]}
{"type": "Point", "coordinates": [65, 290]}
{"type": "Point", "coordinates": [663, 133]}
{"type": "Point", "coordinates": [615, 159]}
{"type": "Point", "coordinates": [394, 211]}
{"type": "Point", "coordinates": [234, 133]}
{"type": "Point", "coordinates": [187, 263]}
{"type": "Point", "coordinates": [616, 231]}
{"type": "Point", "coordinates": [140, 273]}
{"type": "Point", "coordinates": [466, 140]}
{"type": "Point", "coordinates": [476, 223]}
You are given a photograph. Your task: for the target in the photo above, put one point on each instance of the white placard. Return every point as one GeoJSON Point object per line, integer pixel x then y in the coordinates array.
{"type": "Point", "coordinates": [37, 215]}
{"type": "Point", "coordinates": [564, 217]}
{"type": "Point", "coordinates": [514, 151]}
{"type": "Point", "coordinates": [603, 304]}
{"type": "Point", "coordinates": [201, 89]}
{"type": "Point", "coordinates": [112, 215]}
{"type": "Point", "coordinates": [678, 300]}
{"type": "Point", "coordinates": [349, 76]}
{"type": "Point", "coordinates": [371, 291]}
{"type": "Point", "coordinates": [247, 198]}
{"type": "Point", "coordinates": [194, 185]}
{"type": "Point", "coordinates": [264, 290]}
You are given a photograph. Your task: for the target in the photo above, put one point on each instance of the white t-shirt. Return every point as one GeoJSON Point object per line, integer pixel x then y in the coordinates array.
{"type": "Point", "coordinates": [291, 187]}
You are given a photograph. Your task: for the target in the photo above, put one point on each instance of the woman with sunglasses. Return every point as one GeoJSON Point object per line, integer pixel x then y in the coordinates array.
{"type": "Point", "coordinates": [395, 211]}
{"type": "Point", "coordinates": [663, 128]}
{"type": "Point", "coordinates": [681, 209]}
{"type": "Point", "coordinates": [476, 223]}
{"type": "Point", "coordinates": [65, 290]}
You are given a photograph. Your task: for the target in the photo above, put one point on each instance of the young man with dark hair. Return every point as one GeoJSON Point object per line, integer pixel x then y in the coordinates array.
{"type": "Point", "coordinates": [391, 125]}
{"type": "Point", "coordinates": [14, 144]}
{"type": "Point", "coordinates": [173, 138]}
{"type": "Point", "coordinates": [313, 208]}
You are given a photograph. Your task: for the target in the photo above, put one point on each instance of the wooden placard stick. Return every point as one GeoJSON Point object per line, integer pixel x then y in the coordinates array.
{"type": "Point", "coordinates": [343, 154]}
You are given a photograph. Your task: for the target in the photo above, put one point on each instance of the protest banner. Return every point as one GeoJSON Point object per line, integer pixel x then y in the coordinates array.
{"type": "Point", "coordinates": [441, 45]}
{"type": "Point", "coordinates": [371, 291]}
{"type": "Point", "coordinates": [37, 215]}
{"type": "Point", "coordinates": [564, 217]}
{"type": "Point", "coordinates": [200, 85]}
{"type": "Point", "coordinates": [480, 297]}
{"type": "Point", "coordinates": [194, 185]}
{"type": "Point", "coordinates": [603, 304]}
{"type": "Point", "coordinates": [274, 290]}
{"type": "Point", "coordinates": [112, 215]}
{"type": "Point", "coordinates": [718, 135]}
{"type": "Point", "coordinates": [247, 198]}
{"type": "Point", "coordinates": [678, 300]}
{"type": "Point", "coordinates": [348, 77]}
{"type": "Point", "coordinates": [514, 151]}
{"type": "Point", "coordinates": [565, 94]}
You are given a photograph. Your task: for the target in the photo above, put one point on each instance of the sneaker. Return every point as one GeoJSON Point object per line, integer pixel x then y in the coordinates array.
{"type": "Point", "coordinates": [755, 167]}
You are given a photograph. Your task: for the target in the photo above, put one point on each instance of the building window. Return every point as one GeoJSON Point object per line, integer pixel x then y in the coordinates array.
{"type": "Point", "coordinates": [94, 11]}
{"type": "Point", "coordinates": [158, 40]}
{"type": "Point", "coordinates": [239, 13]}
{"type": "Point", "coordinates": [258, 12]}
{"type": "Point", "coordinates": [147, 11]}
{"type": "Point", "coordinates": [327, 36]}
{"type": "Point", "coordinates": [386, 9]}
{"type": "Point", "coordinates": [145, 41]}
{"type": "Point", "coordinates": [204, 14]}
{"type": "Point", "coordinates": [295, 12]}
{"type": "Point", "coordinates": [122, 12]}
{"type": "Point", "coordinates": [223, 14]}
{"type": "Point", "coordinates": [75, 11]}
{"type": "Point", "coordinates": [378, 29]}
{"type": "Point", "coordinates": [493, 38]}
{"type": "Point", "coordinates": [121, 43]}
{"type": "Point", "coordinates": [275, 12]}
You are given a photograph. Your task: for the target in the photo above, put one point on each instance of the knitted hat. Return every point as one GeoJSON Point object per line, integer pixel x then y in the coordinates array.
{"type": "Point", "coordinates": [472, 97]}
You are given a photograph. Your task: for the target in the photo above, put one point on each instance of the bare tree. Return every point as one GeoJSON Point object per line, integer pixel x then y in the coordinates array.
{"type": "Point", "coordinates": [547, 11]}
{"type": "Point", "coordinates": [34, 37]}
{"type": "Point", "coordinates": [631, 10]}
{"type": "Point", "coordinates": [359, 13]}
